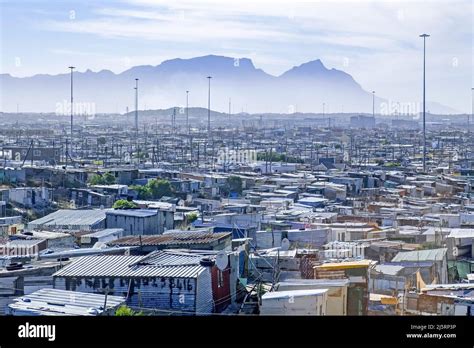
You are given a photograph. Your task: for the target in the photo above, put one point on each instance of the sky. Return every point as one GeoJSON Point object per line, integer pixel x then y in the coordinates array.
{"type": "Point", "coordinates": [377, 42]}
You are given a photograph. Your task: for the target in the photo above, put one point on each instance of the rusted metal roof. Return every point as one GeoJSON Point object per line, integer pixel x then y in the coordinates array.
{"type": "Point", "coordinates": [179, 238]}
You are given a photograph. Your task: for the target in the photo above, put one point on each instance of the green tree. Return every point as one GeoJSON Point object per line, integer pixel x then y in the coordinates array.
{"type": "Point", "coordinates": [160, 188]}
{"type": "Point", "coordinates": [143, 192]}
{"type": "Point", "coordinates": [154, 189]}
{"type": "Point", "coordinates": [124, 204]}
{"type": "Point", "coordinates": [125, 311]}
{"type": "Point", "coordinates": [96, 179]}
{"type": "Point", "coordinates": [235, 184]}
{"type": "Point", "coordinates": [108, 178]}
{"type": "Point", "coordinates": [191, 217]}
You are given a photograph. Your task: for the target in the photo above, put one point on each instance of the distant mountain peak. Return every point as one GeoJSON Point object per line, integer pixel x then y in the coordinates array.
{"type": "Point", "coordinates": [314, 67]}
{"type": "Point", "coordinates": [306, 87]}
{"type": "Point", "coordinates": [210, 60]}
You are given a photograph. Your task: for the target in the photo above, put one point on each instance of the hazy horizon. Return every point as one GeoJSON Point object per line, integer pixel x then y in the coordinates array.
{"type": "Point", "coordinates": [379, 47]}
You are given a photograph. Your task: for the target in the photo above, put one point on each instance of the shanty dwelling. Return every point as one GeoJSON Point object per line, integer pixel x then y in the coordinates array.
{"type": "Point", "coordinates": [30, 196]}
{"type": "Point", "coordinates": [22, 247]}
{"type": "Point", "coordinates": [445, 299]}
{"type": "Point", "coordinates": [269, 263]}
{"type": "Point", "coordinates": [138, 221]}
{"type": "Point", "coordinates": [460, 243]}
{"type": "Point", "coordinates": [294, 302]}
{"type": "Point", "coordinates": [56, 240]}
{"type": "Point", "coordinates": [358, 274]}
{"type": "Point", "coordinates": [163, 282]}
{"type": "Point", "coordinates": [64, 303]}
{"type": "Point", "coordinates": [387, 279]}
{"type": "Point", "coordinates": [102, 236]}
{"type": "Point", "coordinates": [308, 238]}
{"type": "Point", "coordinates": [269, 239]}
{"type": "Point", "coordinates": [9, 225]}
{"type": "Point", "coordinates": [336, 296]}
{"type": "Point", "coordinates": [64, 219]}
{"type": "Point", "coordinates": [380, 304]}
{"type": "Point", "coordinates": [89, 198]}
{"type": "Point", "coordinates": [438, 257]}
{"type": "Point", "coordinates": [229, 266]}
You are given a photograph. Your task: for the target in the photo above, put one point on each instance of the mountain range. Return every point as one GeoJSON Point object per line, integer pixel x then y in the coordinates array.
{"type": "Point", "coordinates": [303, 88]}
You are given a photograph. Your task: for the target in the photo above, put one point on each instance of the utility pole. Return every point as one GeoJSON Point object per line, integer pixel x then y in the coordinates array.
{"type": "Point", "coordinates": [424, 36]}
{"type": "Point", "coordinates": [209, 107]}
{"type": "Point", "coordinates": [136, 121]}
{"type": "Point", "coordinates": [72, 105]}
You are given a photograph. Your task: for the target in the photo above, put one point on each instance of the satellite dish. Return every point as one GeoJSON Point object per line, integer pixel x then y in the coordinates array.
{"type": "Point", "coordinates": [222, 260]}
{"type": "Point", "coordinates": [285, 244]}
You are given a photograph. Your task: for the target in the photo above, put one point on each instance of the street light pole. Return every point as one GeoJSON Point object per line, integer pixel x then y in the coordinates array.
{"type": "Point", "coordinates": [72, 108]}
{"type": "Point", "coordinates": [187, 111]}
{"type": "Point", "coordinates": [424, 36]}
{"type": "Point", "coordinates": [209, 106]}
{"type": "Point", "coordinates": [373, 103]}
{"type": "Point", "coordinates": [472, 112]}
{"type": "Point", "coordinates": [136, 106]}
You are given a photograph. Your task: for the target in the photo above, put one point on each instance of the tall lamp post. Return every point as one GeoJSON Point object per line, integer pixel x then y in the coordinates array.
{"type": "Point", "coordinates": [230, 109]}
{"type": "Point", "coordinates": [209, 106]}
{"type": "Point", "coordinates": [472, 112]}
{"type": "Point", "coordinates": [424, 36]}
{"type": "Point", "coordinates": [72, 108]}
{"type": "Point", "coordinates": [136, 105]}
{"type": "Point", "coordinates": [187, 111]}
{"type": "Point", "coordinates": [373, 103]}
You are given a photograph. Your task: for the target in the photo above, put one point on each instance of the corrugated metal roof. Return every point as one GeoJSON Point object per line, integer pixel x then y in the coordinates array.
{"type": "Point", "coordinates": [103, 233]}
{"type": "Point", "coordinates": [22, 243]}
{"type": "Point", "coordinates": [169, 258]}
{"type": "Point", "coordinates": [388, 269]}
{"type": "Point", "coordinates": [462, 233]}
{"type": "Point", "coordinates": [172, 239]}
{"type": "Point", "coordinates": [71, 217]}
{"type": "Point", "coordinates": [133, 212]}
{"type": "Point", "coordinates": [421, 255]}
{"type": "Point", "coordinates": [294, 293]}
{"type": "Point", "coordinates": [154, 265]}
{"type": "Point", "coordinates": [344, 265]}
{"type": "Point", "coordinates": [313, 282]}
{"type": "Point", "coordinates": [63, 302]}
